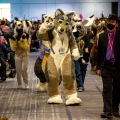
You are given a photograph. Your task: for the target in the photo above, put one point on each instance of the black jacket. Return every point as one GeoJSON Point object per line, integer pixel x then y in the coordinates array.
{"type": "Point", "coordinates": [4, 50]}
{"type": "Point", "coordinates": [102, 48]}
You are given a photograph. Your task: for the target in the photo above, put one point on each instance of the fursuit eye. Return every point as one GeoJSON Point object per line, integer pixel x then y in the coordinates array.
{"type": "Point", "coordinates": [78, 27]}
{"type": "Point", "coordinates": [67, 24]}
{"type": "Point", "coordinates": [72, 27]}
{"type": "Point", "coordinates": [60, 21]}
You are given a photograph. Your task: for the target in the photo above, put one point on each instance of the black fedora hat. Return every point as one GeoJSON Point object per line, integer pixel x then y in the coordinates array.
{"type": "Point", "coordinates": [112, 17]}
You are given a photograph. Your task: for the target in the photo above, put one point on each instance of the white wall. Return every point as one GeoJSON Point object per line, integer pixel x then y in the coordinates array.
{"type": "Point", "coordinates": [5, 11]}
{"type": "Point", "coordinates": [30, 9]}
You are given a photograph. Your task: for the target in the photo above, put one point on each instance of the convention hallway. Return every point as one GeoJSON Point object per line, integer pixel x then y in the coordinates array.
{"type": "Point", "coordinates": [32, 105]}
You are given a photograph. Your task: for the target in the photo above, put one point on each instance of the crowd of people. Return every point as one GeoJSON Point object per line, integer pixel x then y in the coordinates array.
{"type": "Point", "coordinates": [7, 56]}
{"type": "Point", "coordinates": [100, 46]}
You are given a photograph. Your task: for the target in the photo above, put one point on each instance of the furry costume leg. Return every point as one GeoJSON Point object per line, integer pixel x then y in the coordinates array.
{"type": "Point", "coordinates": [69, 82]}
{"type": "Point", "coordinates": [53, 83]}
{"type": "Point", "coordinates": [41, 87]}
{"type": "Point", "coordinates": [40, 74]}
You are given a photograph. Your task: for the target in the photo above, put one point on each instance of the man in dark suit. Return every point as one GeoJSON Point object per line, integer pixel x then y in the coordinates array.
{"type": "Point", "coordinates": [108, 67]}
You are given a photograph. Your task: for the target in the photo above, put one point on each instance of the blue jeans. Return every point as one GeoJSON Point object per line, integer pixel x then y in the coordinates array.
{"type": "Point", "coordinates": [80, 71]}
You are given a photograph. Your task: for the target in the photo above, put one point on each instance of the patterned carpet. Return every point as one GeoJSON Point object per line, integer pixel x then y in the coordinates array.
{"type": "Point", "coordinates": [32, 105]}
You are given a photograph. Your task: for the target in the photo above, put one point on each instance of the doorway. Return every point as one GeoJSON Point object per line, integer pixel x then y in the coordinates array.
{"type": "Point", "coordinates": [115, 8]}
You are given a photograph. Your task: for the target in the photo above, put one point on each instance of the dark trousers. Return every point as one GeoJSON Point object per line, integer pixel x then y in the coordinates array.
{"type": "Point", "coordinates": [2, 67]}
{"type": "Point", "coordinates": [80, 71]}
{"type": "Point", "coordinates": [12, 60]}
{"type": "Point", "coordinates": [111, 88]}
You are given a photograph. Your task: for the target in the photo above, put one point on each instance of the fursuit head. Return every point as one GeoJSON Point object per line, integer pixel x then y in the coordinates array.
{"type": "Point", "coordinates": [22, 29]}
{"type": "Point", "coordinates": [82, 40]}
{"type": "Point", "coordinates": [79, 32]}
{"type": "Point", "coordinates": [21, 36]}
{"type": "Point", "coordinates": [59, 65]}
{"type": "Point", "coordinates": [63, 38]}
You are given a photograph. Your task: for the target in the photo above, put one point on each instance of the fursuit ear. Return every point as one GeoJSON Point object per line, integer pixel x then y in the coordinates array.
{"type": "Point", "coordinates": [58, 13]}
{"type": "Point", "coordinates": [29, 24]}
{"type": "Point", "coordinates": [84, 22]}
{"type": "Point", "coordinates": [69, 14]}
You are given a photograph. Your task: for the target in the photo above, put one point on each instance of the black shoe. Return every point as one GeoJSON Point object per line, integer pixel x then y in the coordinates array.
{"type": "Point", "coordinates": [3, 78]}
{"type": "Point", "coordinates": [12, 74]}
{"type": "Point", "coordinates": [103, 115]}
{"type": "Point", "coordinates": [116, 114]}
{"type": "Point", "coordinates": [108, 116]}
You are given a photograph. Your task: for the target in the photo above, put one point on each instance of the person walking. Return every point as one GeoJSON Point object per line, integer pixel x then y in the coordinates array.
{"type": "Point", "coordinates": [81, 64]}
{"type": "Point", "coordinates": [20, 44]}
{"type": "Point", "coordinates": [108, 67]}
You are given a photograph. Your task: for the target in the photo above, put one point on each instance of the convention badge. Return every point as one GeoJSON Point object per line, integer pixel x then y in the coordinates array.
{"type": "Point", "coordinates": [62, 50]}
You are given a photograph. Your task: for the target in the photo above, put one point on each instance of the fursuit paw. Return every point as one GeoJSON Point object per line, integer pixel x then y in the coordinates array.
{"type": "Point", "coordinates": [43, 28]}
{"type": "Point", "coordinates": [75, 54]}
{"type": "Point", "coordinates": [73, 99]}
{"type": "Point", "coordinates": [55, 99]}
{"type": "Point", "coordinates": [41, 87]}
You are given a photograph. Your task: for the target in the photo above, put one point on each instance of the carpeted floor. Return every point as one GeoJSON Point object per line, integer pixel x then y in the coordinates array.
{"type": "Point", "coordinates": [32, 105]}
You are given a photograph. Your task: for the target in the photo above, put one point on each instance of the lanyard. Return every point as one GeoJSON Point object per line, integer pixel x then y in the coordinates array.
{"type": "Point", "coordinates": [111, 42]}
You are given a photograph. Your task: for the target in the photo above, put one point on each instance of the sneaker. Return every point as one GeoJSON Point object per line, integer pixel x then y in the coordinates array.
{"type": "Point", "coordinates": [80, 89]}
{"type": "Point", "coordinates": [26, 86]}
{"type": "Point", "coordinates": [116, 114]}
{"type": "Point", "coordinates": [19, 87]}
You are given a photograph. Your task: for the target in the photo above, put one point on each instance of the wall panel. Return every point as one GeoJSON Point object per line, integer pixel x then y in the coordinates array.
{"type": "Point", "coordinates": [25, 9]}
{"type": "Point", "coordinates": [87, 9]}
{"type": "Point", "coordinates": [35, 8]}
{"type": "Point", "coordinates": [15, 10]}
{"type": "Point", "coordinates": [77, 8]}
{"type": "Point", "coordinates": [105, 7]}
{"type": "Point", "coordinates": [65, 7]}
{"type": "Point", "coordinates": [51, 8]}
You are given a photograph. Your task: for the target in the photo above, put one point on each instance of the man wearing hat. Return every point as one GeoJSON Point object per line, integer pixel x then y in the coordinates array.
{"type": "Point", "coordinates": [108, 67]}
